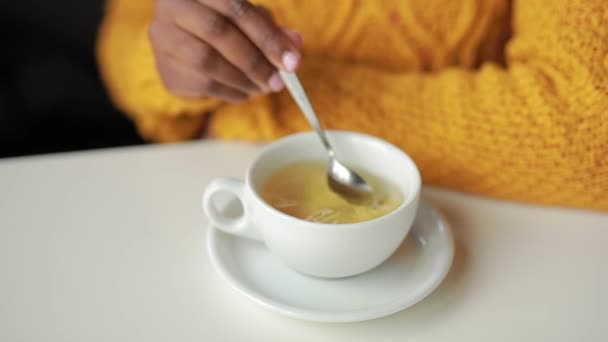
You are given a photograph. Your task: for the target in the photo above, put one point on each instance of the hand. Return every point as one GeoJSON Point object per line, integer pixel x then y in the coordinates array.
{"type": "Point", "coordinates": [228, 49]}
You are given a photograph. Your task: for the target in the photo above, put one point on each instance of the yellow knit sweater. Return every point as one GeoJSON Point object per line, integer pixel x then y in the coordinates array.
{"type": "Point", "coordinates": [496, 97]}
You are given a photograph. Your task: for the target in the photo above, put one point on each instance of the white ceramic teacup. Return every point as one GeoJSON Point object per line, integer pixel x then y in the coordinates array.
{"type": "Point", "coordinates": [318, 249]}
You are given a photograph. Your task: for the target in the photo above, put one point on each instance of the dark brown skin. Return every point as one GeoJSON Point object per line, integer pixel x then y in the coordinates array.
{"type": "Point", "coordinates": [227, 49]}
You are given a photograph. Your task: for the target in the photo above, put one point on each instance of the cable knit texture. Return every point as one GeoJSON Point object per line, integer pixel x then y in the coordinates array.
{"type": "Point", "coordinates": [503, 98]}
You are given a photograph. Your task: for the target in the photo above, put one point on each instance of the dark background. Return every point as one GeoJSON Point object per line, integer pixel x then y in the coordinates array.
{"type": "Point", "coordinates": [51, 96]}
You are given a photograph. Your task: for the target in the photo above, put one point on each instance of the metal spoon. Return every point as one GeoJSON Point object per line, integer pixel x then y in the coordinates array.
{"type": "Point", "coordinates": [341, 179]}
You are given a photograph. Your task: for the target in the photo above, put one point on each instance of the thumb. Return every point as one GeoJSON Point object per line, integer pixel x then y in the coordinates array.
{"type": "Point", "coordinates": [295, 37]}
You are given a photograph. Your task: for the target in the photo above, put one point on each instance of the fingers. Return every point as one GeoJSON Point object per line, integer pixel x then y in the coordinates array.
{"type": "Point", "coordinates": [228, 49]}
{"type": "Point", "coordinates": [218, 31]}
{"type": "Point", "coordinates": [191, 83]}
{"type": "Point", "coordinates": [198, 55]}
{"type": "Point", "coordinates": [271, 40]}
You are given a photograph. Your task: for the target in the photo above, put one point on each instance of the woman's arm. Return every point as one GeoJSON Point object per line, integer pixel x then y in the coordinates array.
{"type": "Point", "coordinates": [129, 71]}
{"type": "Point", "coordinates": [205, 49]}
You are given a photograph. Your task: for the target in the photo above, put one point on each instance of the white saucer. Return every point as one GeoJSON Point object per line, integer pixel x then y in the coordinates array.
{"type": "Point", "coordinates": [412, 273]}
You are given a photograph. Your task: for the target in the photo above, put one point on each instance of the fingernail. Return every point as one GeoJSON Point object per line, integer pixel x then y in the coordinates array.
{"type": "Point", "coordinates": [275, 82]}
{"type": "Point", "coordinates": [291, 60]}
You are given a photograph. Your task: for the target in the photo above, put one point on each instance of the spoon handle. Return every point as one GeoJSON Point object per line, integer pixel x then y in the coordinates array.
{"type": "Point", "coordinates": [297, 92]}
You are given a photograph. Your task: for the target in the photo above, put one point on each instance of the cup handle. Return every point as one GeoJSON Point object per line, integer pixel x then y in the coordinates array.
{"type": "Point", "coordinates": [240, 226]}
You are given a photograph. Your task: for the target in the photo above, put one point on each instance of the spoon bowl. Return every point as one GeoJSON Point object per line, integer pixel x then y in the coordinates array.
{"type": "Point", "coordinates": [348, 183]}
{"type": "Point", "coordinates": [342, 180]}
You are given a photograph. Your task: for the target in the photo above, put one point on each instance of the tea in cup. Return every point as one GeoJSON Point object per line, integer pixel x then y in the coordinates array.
{"type": "Point", "coordinates": [302, 190]}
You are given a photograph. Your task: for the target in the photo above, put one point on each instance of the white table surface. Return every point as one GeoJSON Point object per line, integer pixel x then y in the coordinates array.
{"type": "Point", "coordinates": [108, 246]}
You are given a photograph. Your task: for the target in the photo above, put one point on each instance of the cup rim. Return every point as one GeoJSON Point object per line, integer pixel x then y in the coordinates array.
{"type": "Point", "coordinates": [417, 182]}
